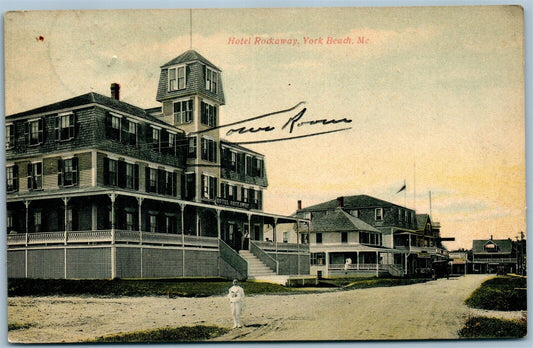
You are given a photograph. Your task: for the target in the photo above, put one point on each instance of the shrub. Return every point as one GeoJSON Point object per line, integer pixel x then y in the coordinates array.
{"type": "Point", "coordinates": [500, 293]}
{"type": "Point", "coordinates": [165, 335]}
{"type": "Point", "coordinates": [483, 327]}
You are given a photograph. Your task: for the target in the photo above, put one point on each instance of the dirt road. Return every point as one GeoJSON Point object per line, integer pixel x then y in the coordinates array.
{"type": "Point", "coordinates": [429, 310]}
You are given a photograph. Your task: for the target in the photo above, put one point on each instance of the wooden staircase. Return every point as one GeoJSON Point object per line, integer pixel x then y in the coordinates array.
{"type": "Point", "coordinates": [256, 268]}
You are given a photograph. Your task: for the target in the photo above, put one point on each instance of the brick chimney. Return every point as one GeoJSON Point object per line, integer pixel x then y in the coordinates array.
{"type": "Point", "coordinates": [115, 91]}
{"type": "Point", "coordinates": [340, 202]}
{"type": "Point", "coordinates": [299, 205]}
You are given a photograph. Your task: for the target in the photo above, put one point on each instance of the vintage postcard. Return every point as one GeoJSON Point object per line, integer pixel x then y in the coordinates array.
{"type": "Point", "coordinates": [276, 174]}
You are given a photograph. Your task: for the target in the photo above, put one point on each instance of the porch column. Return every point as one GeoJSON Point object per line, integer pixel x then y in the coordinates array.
{"type": "Point", "coordinates": [65, 224]}
{"type": "Point", "coordinates": [219, 231]}
{"type": "Point", "coordinates": [357, 256]}
{"type": "Point", "coordinates": [65, 203]}
{"type": "Point", "coordinates": [377, 264]}
{"type": "Point", "coordinates": [274, 238]}
{"type": "Point", "coordinates": [112, 197]}
{"type": "Point", "coordinates": [139, 216]}
{"type": "Point", "coordinates": [182, 209]}
{"type": "Point", "coordinates": [27, 204]}
{"type": "Point", "coordinates": [327, 263]}
{"type": "Point", "coordinates": [249, 232]}
{"type": "Point", "coordinates": [298, 244]}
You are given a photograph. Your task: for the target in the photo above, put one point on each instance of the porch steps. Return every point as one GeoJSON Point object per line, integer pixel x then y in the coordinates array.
{"type": "Point", "coordinates": [256, 268]}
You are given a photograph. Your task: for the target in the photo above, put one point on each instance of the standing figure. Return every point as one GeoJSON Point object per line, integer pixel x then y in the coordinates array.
{"type": "Point", "coordinates": [236, 298]}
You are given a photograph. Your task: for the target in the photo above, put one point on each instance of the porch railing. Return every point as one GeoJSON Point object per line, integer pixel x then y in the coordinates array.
{"type": "Point", "coordinates": [356, 267]}
{"type": "Point", "coordinates": [106, 236]}
{"type": "Point", "coordinates": [282, 247]}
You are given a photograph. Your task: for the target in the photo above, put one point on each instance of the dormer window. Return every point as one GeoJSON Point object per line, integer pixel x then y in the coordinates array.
{"type": "Point", "coordinates": [10, 135]}
{"type": "Point", "coordinates": [378, 214]}
{"type": "Point", "coordinates": [211, 80]}
{"type": "Point", "coordinates": [34, 132]}
{"type": "Point", "coordinates": [177, 78]}
{"type": "Point", "coordinates": [65, 126]}
{"type": "Point", "coordinates": [491, 247]}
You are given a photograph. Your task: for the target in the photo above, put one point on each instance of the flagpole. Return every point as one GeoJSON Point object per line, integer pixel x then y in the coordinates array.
{"type": "Point", "coordinates": [414, 186]}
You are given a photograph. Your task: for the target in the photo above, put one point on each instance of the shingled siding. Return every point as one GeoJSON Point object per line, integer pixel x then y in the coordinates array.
{"type": "Point", "coordinates": [94, 262]}
{"type": "Point", "coordinates": [195, 84]}
{"type": "Point", "coordinates": [288, 263]}
{"type": "Point", "coordinates": [85, 135]}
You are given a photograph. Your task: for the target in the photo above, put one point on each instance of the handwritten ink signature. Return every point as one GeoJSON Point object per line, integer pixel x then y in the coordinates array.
{"type": "Point", "coordinates": [291, 123]}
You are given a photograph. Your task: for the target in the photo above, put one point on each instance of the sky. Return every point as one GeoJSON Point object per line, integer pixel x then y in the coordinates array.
{"type": "Point", "coordinates": [434, 96]}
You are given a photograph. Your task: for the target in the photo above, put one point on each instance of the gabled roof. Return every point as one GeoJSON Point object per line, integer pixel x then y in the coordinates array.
{"type": "Point", "coordinates": [339, 221]}
{"type": "Point", "coordinates": [504, 245]}
{"type": "Point", "coordinates": [92, 98]}
{"type": "Point", "coordinates": [189, 56]}
{"type": "Point", "coordinates": [352, 202]}
{"type": "Point", "coordinates": [421, 220]}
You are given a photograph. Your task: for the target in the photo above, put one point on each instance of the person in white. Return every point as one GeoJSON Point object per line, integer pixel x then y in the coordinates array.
{"type": "Point", "coordinates": [347, 265]}
{"type": "Point", "coordinates": [236, 298]}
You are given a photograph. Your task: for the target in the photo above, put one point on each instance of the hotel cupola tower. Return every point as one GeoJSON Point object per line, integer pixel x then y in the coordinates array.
{"type": "Point", "coordinates": [191, 93]}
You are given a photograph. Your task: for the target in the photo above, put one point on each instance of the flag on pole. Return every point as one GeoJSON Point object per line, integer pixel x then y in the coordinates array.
{"type": "Point", "coordinates": [403, 188]}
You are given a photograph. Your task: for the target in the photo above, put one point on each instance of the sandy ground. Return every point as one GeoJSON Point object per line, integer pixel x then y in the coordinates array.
{"type": "Point", "coordinates": [432, 310]}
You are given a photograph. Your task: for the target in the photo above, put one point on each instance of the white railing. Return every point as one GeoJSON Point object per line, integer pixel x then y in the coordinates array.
{"type": "Point", "coordinates": [282, 247]}
{"type": "Point", "coordinates": [46, 237]}
{"type": "Point", "coordinates": [356, 267]}
{"type": "Point", "coordinates": [88, 236]}
{"type": "Point", "coordinates": [120, 236]}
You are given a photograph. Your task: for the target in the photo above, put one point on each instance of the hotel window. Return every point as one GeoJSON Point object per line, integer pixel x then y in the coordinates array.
{"type": "Point", "coordinates": [130, 135]}
{"type": "Point", "coordinates": [131, 176]}
{"type": "Point", "coordinates": [12, 181]}
{"type": "Point", "coordinates": [170, 224]}
{"type": "Point", "coordinates": [344, 237]}
{"type": "Point", "coordinates": [211, 80]}
{"type": "Point", "coordinates": [10, 136]}
{"type": "Point", "coordinates": [156, 139]}
{"type": "Point", "coordinates": [65, 127]}
{"type": "Point", "coordinates": [192, 148]}
{"type": "Point", "coordinates": [129, 222]}
{"type": "Point", "coordinates": [209, 187]}
{"type": "Point", "coordinates": [379, 214]}
{"type": "Point", "coordinates": [285, 237]}
{"type": "Point", "coordinates": [319, 238]}
{"type": "Point", "coordinates": [183, 112]}
{"type": "Point", "coordinates": [110, 172]}
{"type": "Point", "coordinates": [208, 114]}
{"type": "Point", "coordinates": [233, 158]}
{"type": "Point", "coordinates": [171, 144]}
{"type": "Point", "coordinates": [69, 222]}
{"type": "Point", "coordinates": [37, 221]}
{"type": "Point", "coordinates": [152, 220]}
{"type": "Point", "coordinates": [317, 259]}
{"type": "Point", "coordinates": [177, 78]}
{"type": "Point", "coordinates": [407, 216]}
{"type": "Point", "coordinates": [34, 132]}
{"type": "Point", "coordinates": [248, 165]}
{"type": "Point", "coordinates": [35, 176]}
{"type": "Point", "coordinates": [152, 180]}
{"type": "Point", "coordinates": [209, 151]}
{"type": "Point", "coordinates": [67, 172]}
{"type": "Point", "coordinates": [354, 213]}
{"type": "Point", "coordinates": [114, 126]}
{"type": "Point", "coordinates": [259, 167]}
{"type": "Point", "coordinates": [170, 183]}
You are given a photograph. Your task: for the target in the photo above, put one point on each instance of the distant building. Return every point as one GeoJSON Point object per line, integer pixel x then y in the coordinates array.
{"type": "Point", "coordinates": [493, 256]}
{"type": "Point", "coordinates": [374, 236]}
{"type": "Point", "coordinates": [100, 188]}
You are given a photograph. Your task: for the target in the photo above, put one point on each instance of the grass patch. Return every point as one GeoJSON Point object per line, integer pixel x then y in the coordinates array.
{"type": "Point", "coordinates": [196, 287]}
{"type": "Point", "coordinates": [502, 293]}
{"type": "Point", "coordinates": [483, 327]}
{"type": "Point", "coordinates": [193, 287]}
{"type": "Point", "coordinates": [12, 326]}
{"type": "Point", "coordinates": [363, 283]}
{"type": "Point", "coordinates": [165, 335]}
